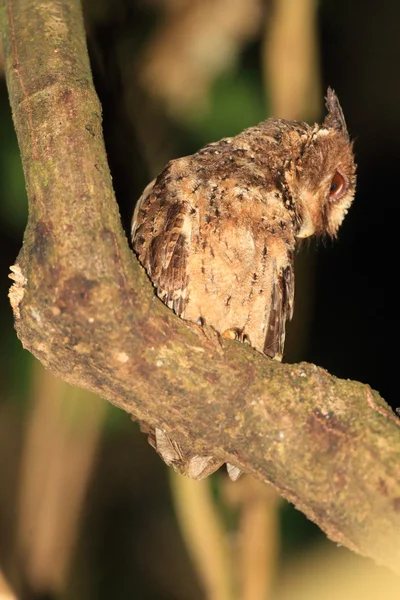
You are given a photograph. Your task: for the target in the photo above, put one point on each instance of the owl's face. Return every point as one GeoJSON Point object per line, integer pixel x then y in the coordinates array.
{"type": "Point", "coordinates": [322, 180]}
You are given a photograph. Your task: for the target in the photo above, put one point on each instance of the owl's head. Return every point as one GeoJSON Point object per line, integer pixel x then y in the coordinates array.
{"type": "Point", "coordinates": [325, 174]}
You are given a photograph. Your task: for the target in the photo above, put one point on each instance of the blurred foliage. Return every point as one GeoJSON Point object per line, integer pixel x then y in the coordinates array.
{"type": "Point", "coordinates": [15, 364]}
{"type": "Point", "coordinates": [236, 102]}
{"type": "Point", "coordinates": [81, 464]}
{"type": "Point", "coordinates": [13, 206]}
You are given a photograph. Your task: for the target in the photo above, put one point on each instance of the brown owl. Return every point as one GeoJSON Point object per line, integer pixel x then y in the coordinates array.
{"type": "Point", "coordinates": [217, 231]}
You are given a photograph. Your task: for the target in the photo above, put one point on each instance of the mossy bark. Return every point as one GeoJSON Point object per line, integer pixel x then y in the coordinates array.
{"type": "Point", "coordinates": [85, 309]}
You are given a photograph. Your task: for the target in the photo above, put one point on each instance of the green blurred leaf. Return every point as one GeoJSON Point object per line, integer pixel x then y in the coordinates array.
{"type": "Point", "coordinates": [236, 103]}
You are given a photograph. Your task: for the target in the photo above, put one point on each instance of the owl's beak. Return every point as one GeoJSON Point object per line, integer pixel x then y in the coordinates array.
{"type": "Point", "coordinates": [307, 228]}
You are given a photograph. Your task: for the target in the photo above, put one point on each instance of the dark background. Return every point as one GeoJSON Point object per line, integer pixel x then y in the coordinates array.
{"type": "Point", "coordinates": [126, 539]}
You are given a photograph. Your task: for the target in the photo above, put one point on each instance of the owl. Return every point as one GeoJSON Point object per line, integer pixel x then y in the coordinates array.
{"type": "Point", "coordinates": [217, 231]}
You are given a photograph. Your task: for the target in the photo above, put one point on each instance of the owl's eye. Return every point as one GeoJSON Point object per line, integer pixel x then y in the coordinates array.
{"type": "Point", "coordinates": [338, 186]}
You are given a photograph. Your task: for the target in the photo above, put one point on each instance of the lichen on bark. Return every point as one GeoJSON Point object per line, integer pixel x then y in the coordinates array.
{"type": "Point", "coordinates": [84, 307]}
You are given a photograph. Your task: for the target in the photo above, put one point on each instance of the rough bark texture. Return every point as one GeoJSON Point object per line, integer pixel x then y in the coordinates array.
{"type": "Point", "coordinates": [86, 310]}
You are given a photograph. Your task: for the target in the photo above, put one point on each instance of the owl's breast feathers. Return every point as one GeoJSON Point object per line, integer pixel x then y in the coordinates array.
{"type": "Point", "coordinates": [218, 245]}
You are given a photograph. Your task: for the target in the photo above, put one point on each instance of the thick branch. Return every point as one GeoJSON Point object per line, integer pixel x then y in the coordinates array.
{"type": "Point", "coordinates": [85, 309]}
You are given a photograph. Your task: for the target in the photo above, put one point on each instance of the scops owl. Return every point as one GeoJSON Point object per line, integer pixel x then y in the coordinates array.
{"type": "Point", "coordinates": [217, 231]}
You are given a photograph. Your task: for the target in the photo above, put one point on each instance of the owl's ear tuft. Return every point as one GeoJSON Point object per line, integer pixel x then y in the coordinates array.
{"type": "Point", "coordinates": [335, 117]}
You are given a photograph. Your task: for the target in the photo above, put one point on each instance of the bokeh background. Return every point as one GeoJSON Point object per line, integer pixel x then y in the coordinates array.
{"type": "Point", "coordinates": [87, 509]}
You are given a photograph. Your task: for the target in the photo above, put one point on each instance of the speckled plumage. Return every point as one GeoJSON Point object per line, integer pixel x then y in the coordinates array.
{"type": "Point", "coordinates": [216, 231]}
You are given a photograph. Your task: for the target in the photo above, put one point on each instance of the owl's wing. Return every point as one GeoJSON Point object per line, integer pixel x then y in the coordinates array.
{"type": "Point", "coordinates": [160, 235]}
{"type": "Point", "coordinates": [282, 302]}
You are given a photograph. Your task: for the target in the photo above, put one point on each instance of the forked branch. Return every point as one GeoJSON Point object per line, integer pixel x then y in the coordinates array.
{"type": "Point", "coordinates": [85, 309]}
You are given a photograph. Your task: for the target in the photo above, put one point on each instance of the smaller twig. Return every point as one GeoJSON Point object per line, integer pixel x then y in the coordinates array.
{"type": "Point", "coordinates": [203, 533]}
{"type": "Point", "coordinates": [258, 536]}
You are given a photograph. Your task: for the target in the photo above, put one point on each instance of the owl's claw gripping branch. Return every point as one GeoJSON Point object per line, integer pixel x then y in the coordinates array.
{"type": "Point", "coordinates": [86, 309]}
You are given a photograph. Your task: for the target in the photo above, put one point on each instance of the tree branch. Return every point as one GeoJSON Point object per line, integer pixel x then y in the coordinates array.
{"type": "Point", "coordinates": [85, 309]}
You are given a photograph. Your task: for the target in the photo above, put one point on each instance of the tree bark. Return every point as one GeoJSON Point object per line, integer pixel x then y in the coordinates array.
{"type": "Point", "coordinates": [84, 307]}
